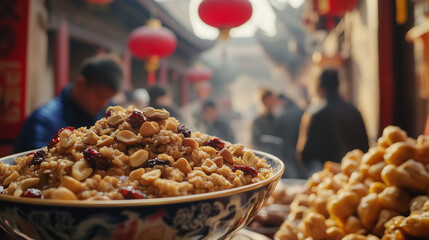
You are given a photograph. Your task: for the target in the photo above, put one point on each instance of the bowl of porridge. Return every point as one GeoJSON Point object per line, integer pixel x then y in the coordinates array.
{"type": "Point", "coordinates": [135, 174]}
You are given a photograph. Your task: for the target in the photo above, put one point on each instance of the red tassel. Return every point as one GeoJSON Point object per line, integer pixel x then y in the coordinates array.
{"type": "Point", "coordinates": [151, 78]}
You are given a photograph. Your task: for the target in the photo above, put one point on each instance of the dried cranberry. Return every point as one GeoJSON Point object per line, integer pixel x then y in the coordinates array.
{"type": "Point", "coordinates": [154, 162]}
{"type": "Point", "coordinates": [1, 189]}
{"type": "Point", "coordinates": [29, 154]}
{"type": "Point", "coordinates": [216, 143]}
{"type": "Point", "coordinates": [184, 130]}
{"type": "Point", "coordinates": [38, 157]}
{"type": "Point", "coordinates": [108, 114]}
{"type": "Point", "coordinates": [32, 193]}
{"type": "Point", "coordinates": [245, 169]}
{"type": "Point", "coordinates": [95, 159]}
{"type": "Point", "coordinates": [136, 119]}
{"type": "Point", "coordinates": [56, 138]}
{"type": "Point", "coordinates": [130, 193]}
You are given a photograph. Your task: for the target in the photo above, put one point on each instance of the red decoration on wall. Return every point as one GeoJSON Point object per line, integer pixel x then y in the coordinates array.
{"type": "Point", "coordinates": [198, 74]}
{"type": "Point", "coordinates": [334, 7]}
{"type": "Point", "coordinates": [100, 2]}
{"type": "Point", "coordinates": [225, 14]}
{"type": "Point", "coordinates": [150, 43]}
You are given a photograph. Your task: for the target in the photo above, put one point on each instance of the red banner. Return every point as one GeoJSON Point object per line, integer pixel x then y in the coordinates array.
{"type": "Point", "coordinates": [13, 65]}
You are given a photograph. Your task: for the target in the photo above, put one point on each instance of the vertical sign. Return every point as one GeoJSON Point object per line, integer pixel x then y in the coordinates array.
{"type": "Point", "coordinates": [13, 65]}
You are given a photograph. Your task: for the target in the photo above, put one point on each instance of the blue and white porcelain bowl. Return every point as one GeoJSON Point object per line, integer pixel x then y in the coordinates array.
{"type": "Point", "coordinates": [214, 215]}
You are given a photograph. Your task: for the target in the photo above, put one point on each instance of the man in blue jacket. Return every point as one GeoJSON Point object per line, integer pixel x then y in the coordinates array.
{"type": "Point", "coordinates": [80, 104]}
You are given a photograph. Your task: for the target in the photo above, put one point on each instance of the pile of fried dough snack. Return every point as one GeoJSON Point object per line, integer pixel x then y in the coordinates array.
{"type": "Point", "coordinates": [381, 194]}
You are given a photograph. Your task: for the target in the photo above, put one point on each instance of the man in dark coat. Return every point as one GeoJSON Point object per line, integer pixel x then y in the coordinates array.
{"type": "Point", "coordinates": [330, 128]}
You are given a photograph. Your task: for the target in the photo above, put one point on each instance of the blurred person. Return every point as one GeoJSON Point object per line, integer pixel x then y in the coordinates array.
{"type": "Point", "coordinates": [265, 127]}
{"type": "Point", "coordinates": [289, 121]}
{"type": "Point", "coordinates": [80, 104]}
{"type": "Point", "coordinates": [159, 97]}
{"type": "Point", "coordinates": [214, 124]}
{"type": "Point", "coordinates": [330, 128]}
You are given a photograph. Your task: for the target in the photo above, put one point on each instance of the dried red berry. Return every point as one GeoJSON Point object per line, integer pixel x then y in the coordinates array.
{"type": "Point", "coordinates": [245, 169]}
{"type": "Point", "coordinates": [56, 138]}
{"type": "Point", "coordinates": [108, 114]}
{"type": "Point", "coordinates": [136, 119]}
{"type": "Point", "coordinates": [38, 157]}
{"type": "Point", "coordinates": [130, 193]}
{"type": "Point", "coordinates": [29, 154]}
{"type": "Point", "coordinates": [95, 159]}
{"type": "Point", "coordinates": [216, 143]}
{"type": "Point", "coordinates": [154, 162]}
{"type": "Point", "coordinates": [32, 193]}
{"type": "Point", "coordinates": [184, 130]}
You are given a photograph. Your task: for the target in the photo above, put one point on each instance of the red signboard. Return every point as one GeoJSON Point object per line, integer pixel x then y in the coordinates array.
{"type": "Point", "coordinates": [13, 65]}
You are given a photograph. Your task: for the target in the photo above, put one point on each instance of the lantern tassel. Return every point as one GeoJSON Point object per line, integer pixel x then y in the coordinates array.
{"type": "Point", "coordinates": [151, 78]}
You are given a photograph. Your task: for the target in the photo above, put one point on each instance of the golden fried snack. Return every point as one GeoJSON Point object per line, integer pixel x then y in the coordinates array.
{"type": "Point", "coordinates": [368, 210]}
{"type": "Point", "coordinates": [350, 162]}
{"type": "Point", "coordinates": [287, 231]}
{"type": "Point", "coordinates": [318, 202]}
{"type": "Point", "coordinates": [399, 152]}
{"type": "Point", "coordinates": [392, 225]}
{"type": "Point", "coordinates": [395, 199]}
{"type": "Point", "coordinates": [373, 156]}
{"type": "Point", "coordinates": [391, 135]}
{"type": "Point", "coordinates": [354, 236]}
{"type": "Point", "coordinates": [416, 225]}
{"type": "Point", "coordinates": [417, 203]}
{"type": "Point", "coordinates": [377, 187]}
{"type": "Point", "coordinates": [343, 204]}
{"type": "Point", "coordinates": [374, 171]}
{"type": "Point", "coordinates": [354, 225]}
{"type": "Point", "coordinates": [422, 154]}
{"type": "Point", "coordinates": [313, 225]}
{"type": "Point", "coordinates": [384, 217]}
{"type": "Point", "coordinates": [335, 233]}
{"type": "Point", "coordinates": [410, 175]}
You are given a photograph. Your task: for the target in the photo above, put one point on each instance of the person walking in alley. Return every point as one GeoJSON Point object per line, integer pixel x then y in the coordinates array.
{"type": "Point", "coordinates": [330, 128]}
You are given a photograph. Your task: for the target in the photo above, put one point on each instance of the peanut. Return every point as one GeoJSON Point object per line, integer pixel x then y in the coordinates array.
{"type": "Point", "coordinates": [148, 129]}
{"type": "Point", "coordinates": [71, 184]}
{"type": "Point", "coordinates": [105, 141]}
{"type": "Point", "coordinates": [63, 193]}
{"type": "Point", "coordinates": [139, 158]}
{"type": "Point", "coordinates": [91, 138]}
{"type": "Point", "coordinates": [183, 165]}
{"type": "Point", "coordinates": [127, 137]}
{"type": "Point", "coordinates": [81, 170]}
{"type": "Point", "coordinates": [115, 109]}
{"type": "Point", "coordinates": [67, 139]}
{"type": "Point", "coordinates": [227, 155]}
{"type": "Point", "coordinates": [115, 120]}
{"type": "Point", "coordinates": [155, 114]}
{"type": "Point", "coordinates": [209, 166]}
{"type": "Point", "coordinates": [249, 157]}
{"type": "Point", "coordinates": [24, 184]}
{"type": "Point", "coordinates": [151, 176]}
{"type": "Point", "coordinates": [137, 174]}
{"type": "Point", "coordinates": [190, 142]}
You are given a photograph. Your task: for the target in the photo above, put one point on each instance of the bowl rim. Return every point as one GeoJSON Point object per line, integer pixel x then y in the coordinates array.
{"type": "Point", "coordinates": [150, 201]}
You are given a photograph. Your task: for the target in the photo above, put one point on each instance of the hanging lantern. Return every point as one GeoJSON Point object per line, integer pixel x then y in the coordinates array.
{"type": "Point", "coordinates": [151, 43]}
{"type": "Point", "coordinates": [335, 7]}
{"type": "Point", "coordinates": [100, 2]}
{"type": "Point", "coordinates": [198, 74]}
{"type": "Point", "coordinates": [225, 14]}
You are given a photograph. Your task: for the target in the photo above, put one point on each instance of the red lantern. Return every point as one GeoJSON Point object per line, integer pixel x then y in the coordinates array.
{"type": "Point", "coordinates": [225, 14]}
{"type": "Point", "coordinates": [100, 2]}
{"type": "Point", "coordinates": [198, 74]}
{"type": "Point", "coordinates": [152, 42]}
{"type": "Point", "coordinates": [335, 7]}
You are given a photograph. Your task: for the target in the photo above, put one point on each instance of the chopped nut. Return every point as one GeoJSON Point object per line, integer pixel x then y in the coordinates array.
{"type": "Point", "coordinates": [156, 114]}
{"type": "Point", "coordinates": [137, 174]}
{"type": "Point", "coordinates": [172, 126]}
{"type": "Point", "coordinates": [105, 141]}
{"type": "Point", "coordinates": [209, 166]}
{"type": "Point", "coordinates": [24, 184]}
{"type": "Point", "coordinates": [115, 120]}
{"type": "Point", "coordinates": [249, 158]}
{"type": "Point", "coordinates": [227, 155]}
{"type": "Point", "coordinates": [139, 158]}
{"type": "Point", "coordinates": [190, 142]}
{"type": "Point", "coordinates": [148, 129]}
{"type": "Point", "coordinates": [127, 137]}
{"type": "Point", "coordinates": [63, 193]}
{"type": "Point", "coordinates": [91, 138]}
{"type": "Point", "coordinates": [183, 165]}
{"type": "Point", "coordinates": [114, 109]}
{"type": "Point", "coordinates": [72, 184]}
{"type": "Point", "coordinates": [67, 139]}
{"type": "Point", "coordinates": [151, 176]}
{"type": "Point", "coordinates": [218, 161]}
{"type": "Point", "coordinates": [81, 170]}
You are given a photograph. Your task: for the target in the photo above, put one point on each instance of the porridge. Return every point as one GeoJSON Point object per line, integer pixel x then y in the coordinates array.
{"type": "Point", "coordinates": [131, 154]}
